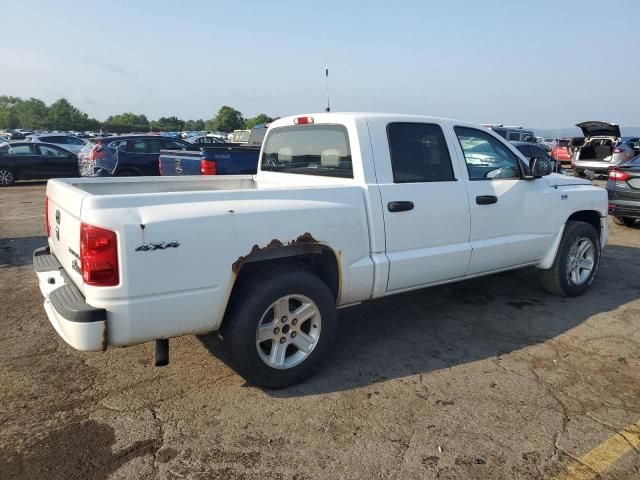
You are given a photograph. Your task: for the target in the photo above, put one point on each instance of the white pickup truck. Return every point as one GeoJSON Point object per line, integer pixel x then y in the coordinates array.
{"type": "Point", "coordinates": [345, 207]}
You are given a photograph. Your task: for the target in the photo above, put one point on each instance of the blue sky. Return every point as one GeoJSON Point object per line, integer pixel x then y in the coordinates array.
{"type": "Point", "coordinates": [542, 64]}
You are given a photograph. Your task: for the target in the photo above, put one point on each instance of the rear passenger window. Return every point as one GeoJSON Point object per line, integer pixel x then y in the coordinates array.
{"type": "Point", "coordinates": [419, 153]}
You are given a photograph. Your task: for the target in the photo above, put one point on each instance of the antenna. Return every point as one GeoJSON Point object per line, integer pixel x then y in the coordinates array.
{"type": "Point", "coordinates": [326, 70]}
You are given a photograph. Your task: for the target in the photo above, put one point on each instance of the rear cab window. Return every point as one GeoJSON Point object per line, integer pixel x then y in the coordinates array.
{"type": "Point", "coordinates": [419, 153]}
{"type": "Point", "coordinates": [319, 149]}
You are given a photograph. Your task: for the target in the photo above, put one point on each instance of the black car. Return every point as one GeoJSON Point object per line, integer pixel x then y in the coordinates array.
{"type": "Point", "coordinates": [531, 151]}
{"type": "Point", "coordinates": [127, 155]}
{"type": "Point", "coordinates": [623, 188]}
{"type": "Point", "coordinates": [28, 161]}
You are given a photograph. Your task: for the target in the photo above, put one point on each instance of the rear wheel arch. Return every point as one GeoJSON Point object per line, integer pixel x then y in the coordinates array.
{"type": "Point", "coordinates": [318, 259]}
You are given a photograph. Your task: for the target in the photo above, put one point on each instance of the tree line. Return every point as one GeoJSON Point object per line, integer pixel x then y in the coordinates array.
{"type": "Point", "coordinates": [34, 114]}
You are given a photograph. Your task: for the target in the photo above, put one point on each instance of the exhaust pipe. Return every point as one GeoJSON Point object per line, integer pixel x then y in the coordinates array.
{"type": "Point", "coordinates": [162, 352]}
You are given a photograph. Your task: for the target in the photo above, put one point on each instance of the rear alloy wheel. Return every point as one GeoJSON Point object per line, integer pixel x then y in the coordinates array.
{"type": "Point", "coordinates": [279, 326]}
{"type": "Point", "coordinates": [6, 177]}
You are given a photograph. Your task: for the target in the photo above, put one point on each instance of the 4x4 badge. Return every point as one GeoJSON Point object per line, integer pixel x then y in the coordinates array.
{"type": "Point", "coordinates": [145, 247]}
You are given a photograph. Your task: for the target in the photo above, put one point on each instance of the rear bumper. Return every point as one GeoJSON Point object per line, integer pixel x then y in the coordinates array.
{"type": "Point", "coordinates": [594, 166]}
{"type": "Point", "coordinates": [624, 208]}
{"type": "Point", "coordinates": [79, 324]}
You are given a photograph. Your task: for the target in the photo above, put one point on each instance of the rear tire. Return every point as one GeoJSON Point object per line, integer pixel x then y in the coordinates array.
{"type": "Point", "coordinates": [626, 221]}
{"type": "Point", "coordinates": [7, 178]}
{"type": "Point", "coordinates": [576, 263]}
{"type": "Point", "coordinates": [262, 331]}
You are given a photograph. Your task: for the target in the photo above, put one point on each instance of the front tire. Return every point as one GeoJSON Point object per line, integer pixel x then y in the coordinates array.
{"type": "Point", "coordinates": [576, 263]}
{"type": "Point", "coordinates": [280, 325]}
{"type": "Point", "coordinates": [7, 178]}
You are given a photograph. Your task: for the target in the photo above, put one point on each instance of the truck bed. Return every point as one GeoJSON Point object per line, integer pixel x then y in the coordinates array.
{"type": "Point", "coordinates": [144, 185]}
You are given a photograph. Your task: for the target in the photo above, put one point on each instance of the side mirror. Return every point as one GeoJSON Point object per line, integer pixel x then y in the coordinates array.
{"type": "Point", "coordinates": [540, 167]}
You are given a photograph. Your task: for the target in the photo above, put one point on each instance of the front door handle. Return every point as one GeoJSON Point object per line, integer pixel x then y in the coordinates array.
{"type": "Point", "coordinates": [486, 199]}
{"type": "Point", "coordinates": [400, 206]}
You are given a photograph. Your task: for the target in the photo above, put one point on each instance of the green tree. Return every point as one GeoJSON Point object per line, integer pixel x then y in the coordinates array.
{"type": "Point", "coordinates": [64, 116]}
{"type": "Point", "coordinates": [261, 118]}
{"type": "Point", "coordinates": [194, 125]}
{"type": "Point", "coordinates": [8, 115]}
{"type": "Point", "coordinates": [32, 113]}
{"type": "Point", "coordinates": [227, 119]}
{"type": "Point", "coordinates": [128, 118]}
{"type": "Point", "coordinates": [168, 124]}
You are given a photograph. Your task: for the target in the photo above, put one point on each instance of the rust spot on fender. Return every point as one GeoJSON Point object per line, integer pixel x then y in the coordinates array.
{"type": "Point", "coordinates": [305, 239]}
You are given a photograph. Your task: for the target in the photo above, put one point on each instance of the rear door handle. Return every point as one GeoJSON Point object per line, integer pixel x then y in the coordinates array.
{"type": "Point", "coordinates": [400, 206]}
{"type": "Point", "coordinates": [486, 199]}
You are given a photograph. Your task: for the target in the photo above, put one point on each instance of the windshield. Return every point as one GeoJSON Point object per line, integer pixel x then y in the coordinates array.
{"type": "Point", "coordinates": [309, 150]}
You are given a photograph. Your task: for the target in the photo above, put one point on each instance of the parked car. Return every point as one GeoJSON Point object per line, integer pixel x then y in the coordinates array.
{"type": "Point", "coordinates": [240, 136]}
{"type": "Point", "coordinates": [29, 161]}
{"type": "Point", "coordinates": [211, 160]}
{"type": "Point", "coordinates": [513, 133]}
{"type": "Point", "coordinates": [68, 142]}
{"type": "Point", "coordinates": [16, 135]}
{"type": "Point", "coordinates": [560, 151]}
{"type": "Point", "coordinates": [205, 140]}
{"type": "Point", "coordinates": [127, 155]}
{"type": "Point", "coordinates": [345, 208]}
{"type": "Point", "coordinates": [531, 151]}
{"type": "Point", "coordinates": [603, 148]}
{"type": "Point", "coordinates": [623, 188]}
{"type": "Point", "coordinates": [220, 159]}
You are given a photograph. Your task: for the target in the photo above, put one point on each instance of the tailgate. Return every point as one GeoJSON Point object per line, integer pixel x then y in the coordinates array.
{"type": "Point", "coordinates": [63, 216]}
{"type": "Point", "coordinates": [179, 163]}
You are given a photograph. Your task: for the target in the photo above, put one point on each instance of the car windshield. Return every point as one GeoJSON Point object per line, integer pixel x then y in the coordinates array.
{"type": "Point", "coordinates": [309, 150]}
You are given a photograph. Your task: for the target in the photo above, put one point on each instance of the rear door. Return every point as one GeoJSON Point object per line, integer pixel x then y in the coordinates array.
{"type": "Point", "coordinates": [425, 204]}
{"type": "Point", "coordinates": [512, 219]}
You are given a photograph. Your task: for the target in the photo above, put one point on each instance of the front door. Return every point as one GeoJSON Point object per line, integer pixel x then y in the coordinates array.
{"type": "Point", "coordinates": [60, 163]}
{"type": "Point", "coordinates": [512, 219]}
{"type": "Point", "coordinates": [425, 204]}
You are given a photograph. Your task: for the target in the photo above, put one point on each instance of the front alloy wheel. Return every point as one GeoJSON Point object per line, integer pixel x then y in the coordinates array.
{"type": "Point", "coordinates": [581, 260]}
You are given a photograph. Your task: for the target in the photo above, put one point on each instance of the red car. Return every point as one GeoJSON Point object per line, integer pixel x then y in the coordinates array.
{"type": "Point", "coordinates": [560, 152]}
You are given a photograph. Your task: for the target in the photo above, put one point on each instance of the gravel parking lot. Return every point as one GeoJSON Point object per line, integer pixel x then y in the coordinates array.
{"type": "Point", "coordinates": [487, 379]}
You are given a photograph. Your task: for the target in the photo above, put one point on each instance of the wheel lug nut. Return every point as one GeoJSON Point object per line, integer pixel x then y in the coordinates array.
{"type": "Point", "coordinates": [293, 334]}
{"type": "Point", "coordinates": [276, 330]}
{"type": "Point", "coordinates": [282, 339]}
{"type": "Point", "coordinates": [294, 321]}
{"type": "Point", "coordinates": [284, 319]}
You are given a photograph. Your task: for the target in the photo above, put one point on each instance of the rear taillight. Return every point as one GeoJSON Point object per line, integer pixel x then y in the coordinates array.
{"type": "Point", "coordinates": [208, 167]}
{"type": "Point", "coordinates": [99, 256]}
{"type": "Point", "coordinates": [618, 150]}
{"type": "Point", "coordinates": [47, 227]}
{"type": "Point", "coordinates": [96, 152]}
{"type": "Point", "coordinates": [160, 165]}
{"type": "Point", "coordinates": [618, 176]}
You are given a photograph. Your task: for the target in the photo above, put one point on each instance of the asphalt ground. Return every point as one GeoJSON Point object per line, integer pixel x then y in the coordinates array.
{"type": "Point", "coordinates": [487, 379]}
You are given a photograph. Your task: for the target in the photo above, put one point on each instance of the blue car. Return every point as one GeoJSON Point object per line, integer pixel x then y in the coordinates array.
{"type": "Point", "coordinates": [127, 155]}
